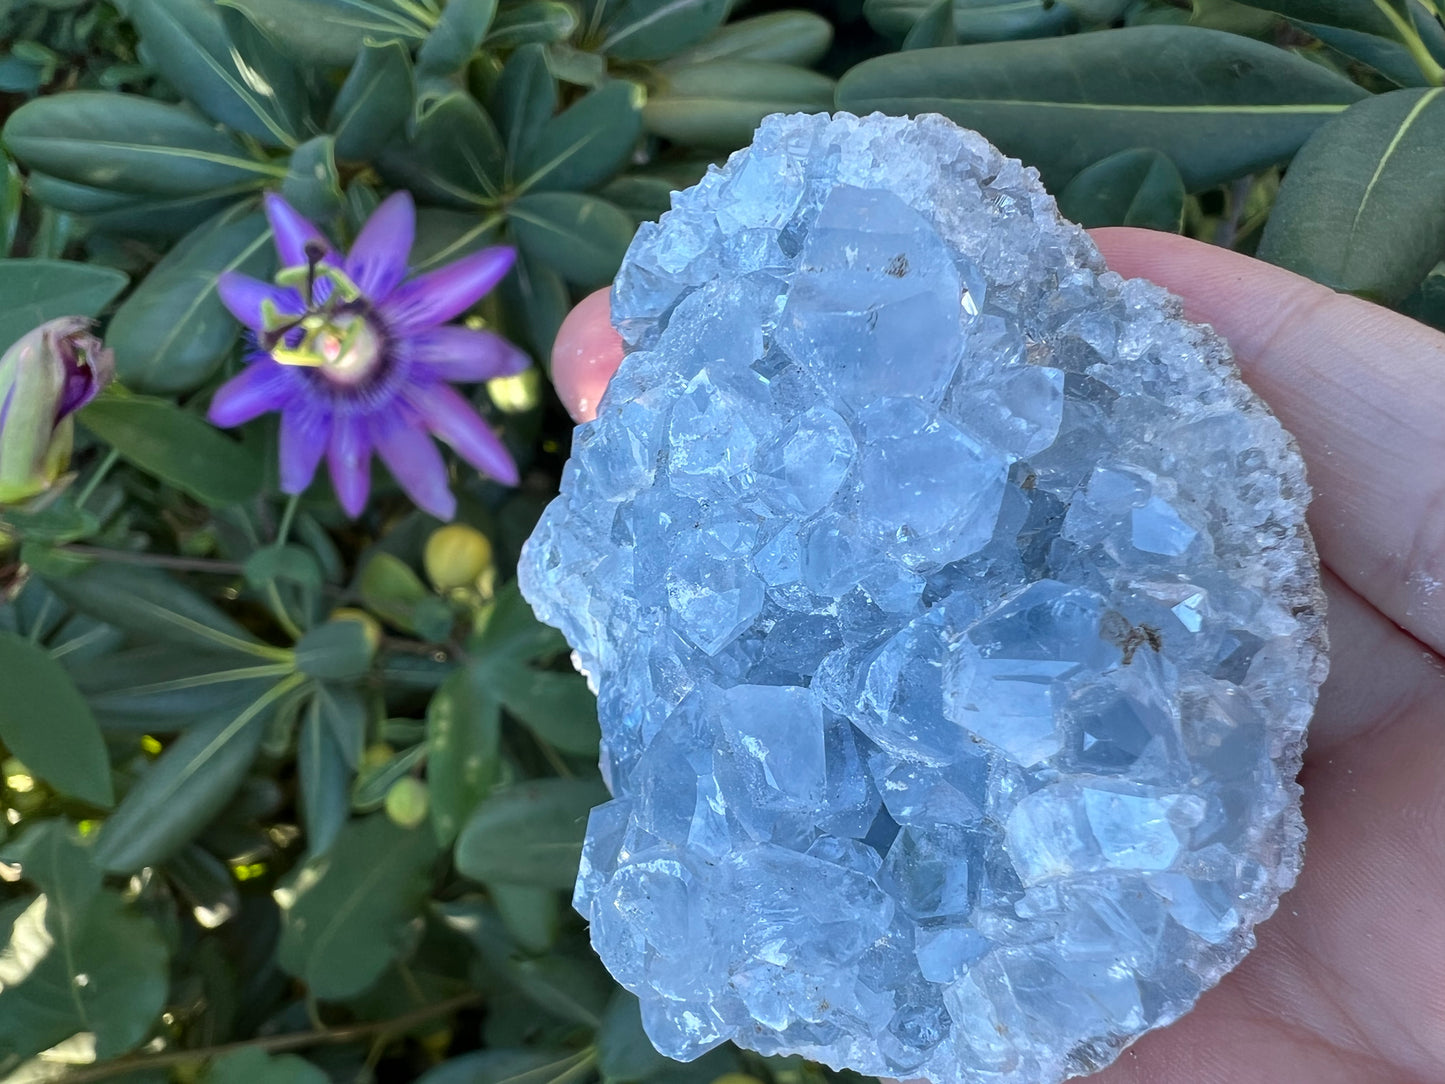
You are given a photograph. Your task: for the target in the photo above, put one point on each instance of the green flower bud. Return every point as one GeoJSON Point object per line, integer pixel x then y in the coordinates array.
{"type": "Point", "coordinates": [455, 556]}
{"type": "Point", "coordinates": [407, 802]}
{"type": "Point", "coordinates": [44, 378]}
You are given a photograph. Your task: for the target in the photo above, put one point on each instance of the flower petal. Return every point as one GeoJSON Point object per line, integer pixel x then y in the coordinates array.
{"type": "Point", "coordinates": [436, 297]}
{"type": "Point", "coordinates": [377, 261]}
{"type": "Point", "coordinates": [349, 457]}
{"type": "Point", "coordinates": [305, 432]}
{"type": "Point", "coordinates": [452, 419]}
{"type": "Point", "coordinates": [243, 295]}
{"type": "Point", "coordinates": [459, 354]}
{"type": "Point", "coordinates": [292, 232]}
{"type": "Point", "coordinates": [259, 388]}
{"type": "Point", "coordinates": [417, 466]}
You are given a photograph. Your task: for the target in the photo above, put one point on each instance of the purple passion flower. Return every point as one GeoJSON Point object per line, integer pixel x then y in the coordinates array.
{"type": "Point", "coordinates": [357, 358]}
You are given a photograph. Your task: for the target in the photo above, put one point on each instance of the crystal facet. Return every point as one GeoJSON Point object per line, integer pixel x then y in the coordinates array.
{"type": "Point", "coordinates": [953, 617]}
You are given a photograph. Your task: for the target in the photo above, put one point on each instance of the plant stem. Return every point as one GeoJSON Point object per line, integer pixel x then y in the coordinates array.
{"type": "Point", "coordinates": [284, 531]}
{"type": "Point", "coordinates": [271, 1044]}
{"type": "Point", "coordinates": [154, 560]}
{"type": "Point", "coordinates": [1410, 37]}
{"type": "Point", "coordinates": [112, 457]}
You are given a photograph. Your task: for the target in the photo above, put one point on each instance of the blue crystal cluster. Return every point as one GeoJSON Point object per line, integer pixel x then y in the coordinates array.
{"type": "Point", "coordinates": [952, 615]}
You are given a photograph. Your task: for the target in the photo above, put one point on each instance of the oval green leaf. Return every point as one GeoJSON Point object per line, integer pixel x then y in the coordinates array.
{"type": "Point", "coordinates": [187, 785]}
{"type": "Point", "coordinates": [524, 99]}
{"type": "Point", "coordinates": [535, 302]}
{"type": "Point", "coordinates": [587, 143]}
{"type": "Point", "coordinates": [47, 723]}
{"type": "Point", "coordinates": [1382, 18]}
{"type": "Point", "coordinates": [125, 143]}
{"type": "Point", "coordinates": [175, 446]}
{"type": "Point", "coordinates": [1362, 206]}
{"type": "Point", "coordinates": [720, 103]}
{"type": "Point", "coordinates": [1138, 187]}
{"type": "Point", "coordinates": [33, 292]}
{"type": "Point", "coordinates": [344, 915]}
{"type": "Point", "coordinates": [373, 103]}
{"type": "Point", "coordinates": [330, 32]}
{"type": "Point", "coordinates": [457, 35]}
{"type": "Point", "coordinates": [324, 778]}
{"type": "Point", "coordinates": [1064, 103]}
{"type": "Point", "coordinates": [654, 29]}
{"type": "Point", "coordinates": [782, 37]}
{"type": "Point", "coordinates": [188, 43]}
{"type": "Point", "coordinates": [533, 21]}
{"type": "Point", "coordinates": [531, 833]}
{"type": "Point", "coordinates": [151, 604]}
{"type": "Point", "coordinates": [454, 156]}
{"type": "Point", "coordinates": [974, 20]}
{"type": "Point", "coordinates": [172, 332]}
{"type": "Point", "coordinates": [464, 733]}
{"type": "Point", "coordinates": [581, 237]}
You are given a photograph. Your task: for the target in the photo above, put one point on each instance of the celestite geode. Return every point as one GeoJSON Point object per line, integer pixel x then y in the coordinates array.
{"type": "Point", "coordinates": [953, 618]}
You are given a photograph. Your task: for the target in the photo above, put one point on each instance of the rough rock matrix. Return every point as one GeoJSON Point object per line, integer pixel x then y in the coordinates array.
{"type": "Point", "coordinates": [953, 618]}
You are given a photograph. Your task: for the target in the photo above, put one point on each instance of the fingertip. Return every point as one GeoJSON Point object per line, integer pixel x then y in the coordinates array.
{"type": "Point", "coordinates": [586, 355]}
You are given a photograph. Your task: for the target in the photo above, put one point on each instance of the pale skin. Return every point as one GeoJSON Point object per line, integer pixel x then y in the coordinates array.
{"type": "Point", "coordinates": [1347, 985]}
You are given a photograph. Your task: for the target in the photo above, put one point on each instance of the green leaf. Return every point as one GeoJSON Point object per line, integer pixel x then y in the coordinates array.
{"type": "Point", "coordinates": [175, 446]}
{"type": "Point", "coordinates": [535, 301]}
{"type": "Point", "coordinates": [332, 32]}
{"type": "Point", "coordinates": [530, 914]}
{"type": "Point", "coordinates": [158, 689]}
{"type": "Point", "coordinates": [391, 590]}
{"type": "Point", "coordinates": [126, 143]}
{"type": "Point", "coordinates": [574, 988]}
{"type": "Point", "coordinates": [373, 103]}
{"type": "Point", "coordinates": [323, 774]}
{"type": "Point", "coordinates": [459, 33]}
{"type": "Point", "coordinates": [530, 833]}
{"type": "Point", "coordinates": [581, 237]}
{"type": "Point", "coordinates": [151, 604]}
{"type": "Point", "coordinates": [586, 144]}
{"type": "Point", "coordinates": [625, 1055]}
{"type": "Point", "coordinates": [172, 332]}
{"type": "Point", "coordinates": [974, 20]}
{"type": "Point", "coordinates": [1137, 187]}
{"type": "Point", "coordinates": [464, 729]}
{"type": "Point", "coordinates": [720, 103]}
{"type": "Point", "coordinates": [1382, 18]}
{"type": "Point", "coordinates": [189, 45]}
{"type": "Point", "coordinates": [642, 198]}
{"type": "Point", "coordinates": [454, 156]}
{"type": "Point", "coordinates": [375, 780]}
{"type": "Point", "coordinates": [654, 29]}
{"type": "Point", "coordinates": [344, 710]}
{"type": "Point", "coordinates": [313, 183]}
{"type": "Point", "coordinates": [532, 21]}
{"type": "Point", "coordinates": [77, 960]}
{"type": "Point", "coordinates": [253, 1066]}
{"type": "Point", "coordinates": [1063, 104]}
{"type": "Point", "coordinates": [12, 199]}
{"type": "Point", "coordinates": [344, 916]}
{"type": "Point", "coordinates": [47, 724]}
{"type": "Point", "coordinates": [1386, 55]}
{"type": "Point", "coordinates": [510, 632]}
{"type": "Point", "coordinates": [34, 292]}
{"type": "Point", "coordinates": [783, 37]}
{"type": "Point", "coordinates": [503, 1066]}
{"type": "Point", "coordinates": [283, 564]}
{"type": "Point", "coordinates": [187, 786]}
{"type": "Point", "coordinates": [335, 651]}
{"type": "Point", "coordinates": [206, 883]}
{"type": "Point", "coordinates": [933, 29]}
{"type": "Point", "coordinates": [558, 708]}
{"type": "Point", "coordinates": [164, 219]}
{"type": "Point", "coordinates": [78, 198]}
{"type": "Point", "coordinates": [524, 99]}
{"type": "Point", "coordinates": [1362, 207]}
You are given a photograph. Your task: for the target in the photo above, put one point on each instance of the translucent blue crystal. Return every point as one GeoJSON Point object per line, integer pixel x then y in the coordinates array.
{"type": "Point", "coordinates": [952, 614]}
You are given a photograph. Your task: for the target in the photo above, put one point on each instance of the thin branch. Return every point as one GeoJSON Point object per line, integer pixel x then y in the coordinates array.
{"type": "Point", "coordinates": [272, 1044]}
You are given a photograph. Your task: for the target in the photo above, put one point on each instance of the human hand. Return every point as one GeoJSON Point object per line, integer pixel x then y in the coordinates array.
{"type": "Point", "coordinates": [1347, 985]}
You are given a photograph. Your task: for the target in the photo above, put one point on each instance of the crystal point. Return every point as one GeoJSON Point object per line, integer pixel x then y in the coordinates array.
{"type": "Point", "coordinates": [953, 617]}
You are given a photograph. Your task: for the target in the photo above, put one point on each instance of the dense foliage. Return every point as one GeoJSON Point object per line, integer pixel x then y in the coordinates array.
{"type": "Point", "coordinates": [293, 797]}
